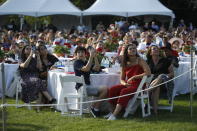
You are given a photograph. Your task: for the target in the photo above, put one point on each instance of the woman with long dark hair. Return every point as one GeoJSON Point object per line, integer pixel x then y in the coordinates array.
{"type": "Point", "coordinates": [132, 71]}
{"type": "Point", "coordinates": [47, 59]}
{"type": "Point", "coordinates": [29, 68]}
{"type": "Point", "coordinates": [162, 69]}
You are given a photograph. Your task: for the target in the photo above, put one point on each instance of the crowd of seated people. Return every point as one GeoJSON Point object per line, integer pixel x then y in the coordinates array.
{"type": "Point", "coordinates": [157, 53]}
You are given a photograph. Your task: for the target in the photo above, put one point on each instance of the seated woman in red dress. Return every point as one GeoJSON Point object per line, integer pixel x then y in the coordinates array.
{"type": "Point", "coordinates": [132, 71]}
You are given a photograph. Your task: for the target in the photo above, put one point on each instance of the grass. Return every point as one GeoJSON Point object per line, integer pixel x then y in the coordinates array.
{"type": "Point", "coordinates": [22, 119]}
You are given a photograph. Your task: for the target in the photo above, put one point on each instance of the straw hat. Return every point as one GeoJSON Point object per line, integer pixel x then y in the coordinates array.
{"type": "Point", "coordinates": [171, 41]}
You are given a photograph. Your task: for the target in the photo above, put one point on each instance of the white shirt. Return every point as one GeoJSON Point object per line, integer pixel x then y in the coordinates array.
{"type": "Point", "coordinates": [142, 46]}
{"type": "Point", "coordinates": [81, 28]}
{"type": "Point", "coordinates": [59, 41]}
{"type": "Point", "coordinates": [119, 23]}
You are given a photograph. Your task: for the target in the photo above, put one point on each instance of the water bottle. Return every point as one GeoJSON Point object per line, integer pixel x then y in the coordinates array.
{"type": "Point", "coordinates": [16, 57]}
{"type": "Point", "coordinates": [105, 63]}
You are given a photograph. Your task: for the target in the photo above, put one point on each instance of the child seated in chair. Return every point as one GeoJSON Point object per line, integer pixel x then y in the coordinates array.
{"type": "Point", "coordinates": [84, 67]}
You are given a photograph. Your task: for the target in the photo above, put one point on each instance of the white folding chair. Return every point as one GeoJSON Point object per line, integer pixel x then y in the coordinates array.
{"type": "Point", "coordinates": [133, 103]}
{"type": "Point", "coordinates": [17, 79]}
{"type": "Point", "coordinates": [78, 95]}
{"type": "Point", "coordinates": [170, 106]}
{"type": "Point", "coordinates": [16, 89]}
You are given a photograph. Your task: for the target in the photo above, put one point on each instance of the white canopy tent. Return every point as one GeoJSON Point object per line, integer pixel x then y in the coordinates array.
{"type": "Point", "coordinates": [38, 8]}
{"type": "Point", "coordinates": [53, 7]}
{"type": "Point", "coordinates": [128, 8]}
{"type": "Point", "coordinates": [21, 7]}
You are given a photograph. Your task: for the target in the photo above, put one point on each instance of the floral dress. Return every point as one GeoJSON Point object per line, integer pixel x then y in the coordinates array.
{"type": "Point", "coordinates": [31, 83]}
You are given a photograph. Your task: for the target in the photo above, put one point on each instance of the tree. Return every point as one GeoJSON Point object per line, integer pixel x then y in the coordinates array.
{"type": "Point", "coordinates": [174, 5]}
{"type": "Point", "coordinates": [2, 1]}
{"type": "Point", "coordinates": [83, 4]}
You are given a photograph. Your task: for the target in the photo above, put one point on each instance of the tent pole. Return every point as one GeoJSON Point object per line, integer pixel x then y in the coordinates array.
{"type": "Point", "coordinates": [171, 23]}
{"type": "Point", "coordinates": [3, 97]}
{"type": "Point", "coordinates": [127, 16]}
{"type": "Point", "coordinates": [35, 26]}
{"type": "Point", "coordinates": [81, 19]}
{"type": "Point", "coordinates": [21, 22]}
{"type": "Point", "coordinates": [191, 82]}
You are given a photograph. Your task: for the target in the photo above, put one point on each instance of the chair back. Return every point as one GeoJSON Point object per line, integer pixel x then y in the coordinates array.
{"type": "Point", "coordinates": [194, 67]}
{"type": "Point", "coordinates": [71, 78]}
{"type": "Point", "coordinates": [74, 79]}
{"type": "Point", "coordinates": [78, 95]}
{"type": "Point", "coordinates": [146, 82]}
{"type": "Point", "coordinates": [132, 104]}
{"type": "Point", "coordinates": [149, 79]}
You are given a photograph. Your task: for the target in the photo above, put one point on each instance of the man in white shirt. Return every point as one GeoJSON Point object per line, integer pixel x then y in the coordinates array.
{"type": "Point", "coordinates": [81, 28]}
{"type": "Point", "coordinates": [133, 26]}
{"type": "Point", "coordinates": [59, 40]}
{"type": "Point", "coordinates": [120, 23]}
{"type": "Point", "coordinates": [142, 47]}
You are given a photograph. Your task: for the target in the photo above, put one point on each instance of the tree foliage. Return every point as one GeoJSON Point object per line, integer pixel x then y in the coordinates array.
{"type": "Point", "coordinates": [2, 1]}
{"type": "Point", "coordinates": [83, 4]}
{"type": "Point", "coordinates": [174, 5]}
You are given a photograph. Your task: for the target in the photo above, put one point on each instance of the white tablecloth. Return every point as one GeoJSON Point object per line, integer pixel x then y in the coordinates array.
{"type": "Point", "coordinates": [97, 80]}
{"type": "Point", "coordinates": [182, 84]}
{"type": "Point", "coordinates": [10, 69]}
{"type": "Point", "coordinates": [187, 58]}
{"type": "Point", "coordinates": [111, 54]}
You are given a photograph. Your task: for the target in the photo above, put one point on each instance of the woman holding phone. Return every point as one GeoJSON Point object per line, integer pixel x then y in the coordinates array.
{"type": "Point", "coordinates": [29, 68]}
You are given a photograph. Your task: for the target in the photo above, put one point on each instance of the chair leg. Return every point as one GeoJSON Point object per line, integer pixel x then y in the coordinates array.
{"type": "Point", "coordinates": [172, 104]}
{"type": "Point", "coordinates": [148, 103]}
{"type": "Point", "coordinates": [18, 90]}
{"type": "Point", "coordinates": [66, 107]}
{"type": "Point", "coordinates": [131, 103]}
{"type": "Point", "coordinates": [145, 111]}
{"type": "Point", "coordinates": [81, 107]}
{"type": "Point", "coordinates": [29, 106]}
{"type": "Point", "coordinates": [126, 111]}
{"type": "Point", "coordinates": [143, 106]}
{"type": "Point", "coordinates": [16, 97]}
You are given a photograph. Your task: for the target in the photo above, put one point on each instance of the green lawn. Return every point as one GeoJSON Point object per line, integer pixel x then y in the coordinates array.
{"type": "Point", "coordinates": [22, 119]}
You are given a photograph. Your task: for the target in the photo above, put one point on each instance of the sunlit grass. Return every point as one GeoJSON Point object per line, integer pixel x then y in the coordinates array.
{"type": "Point", "coordinates": [22, 119]}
